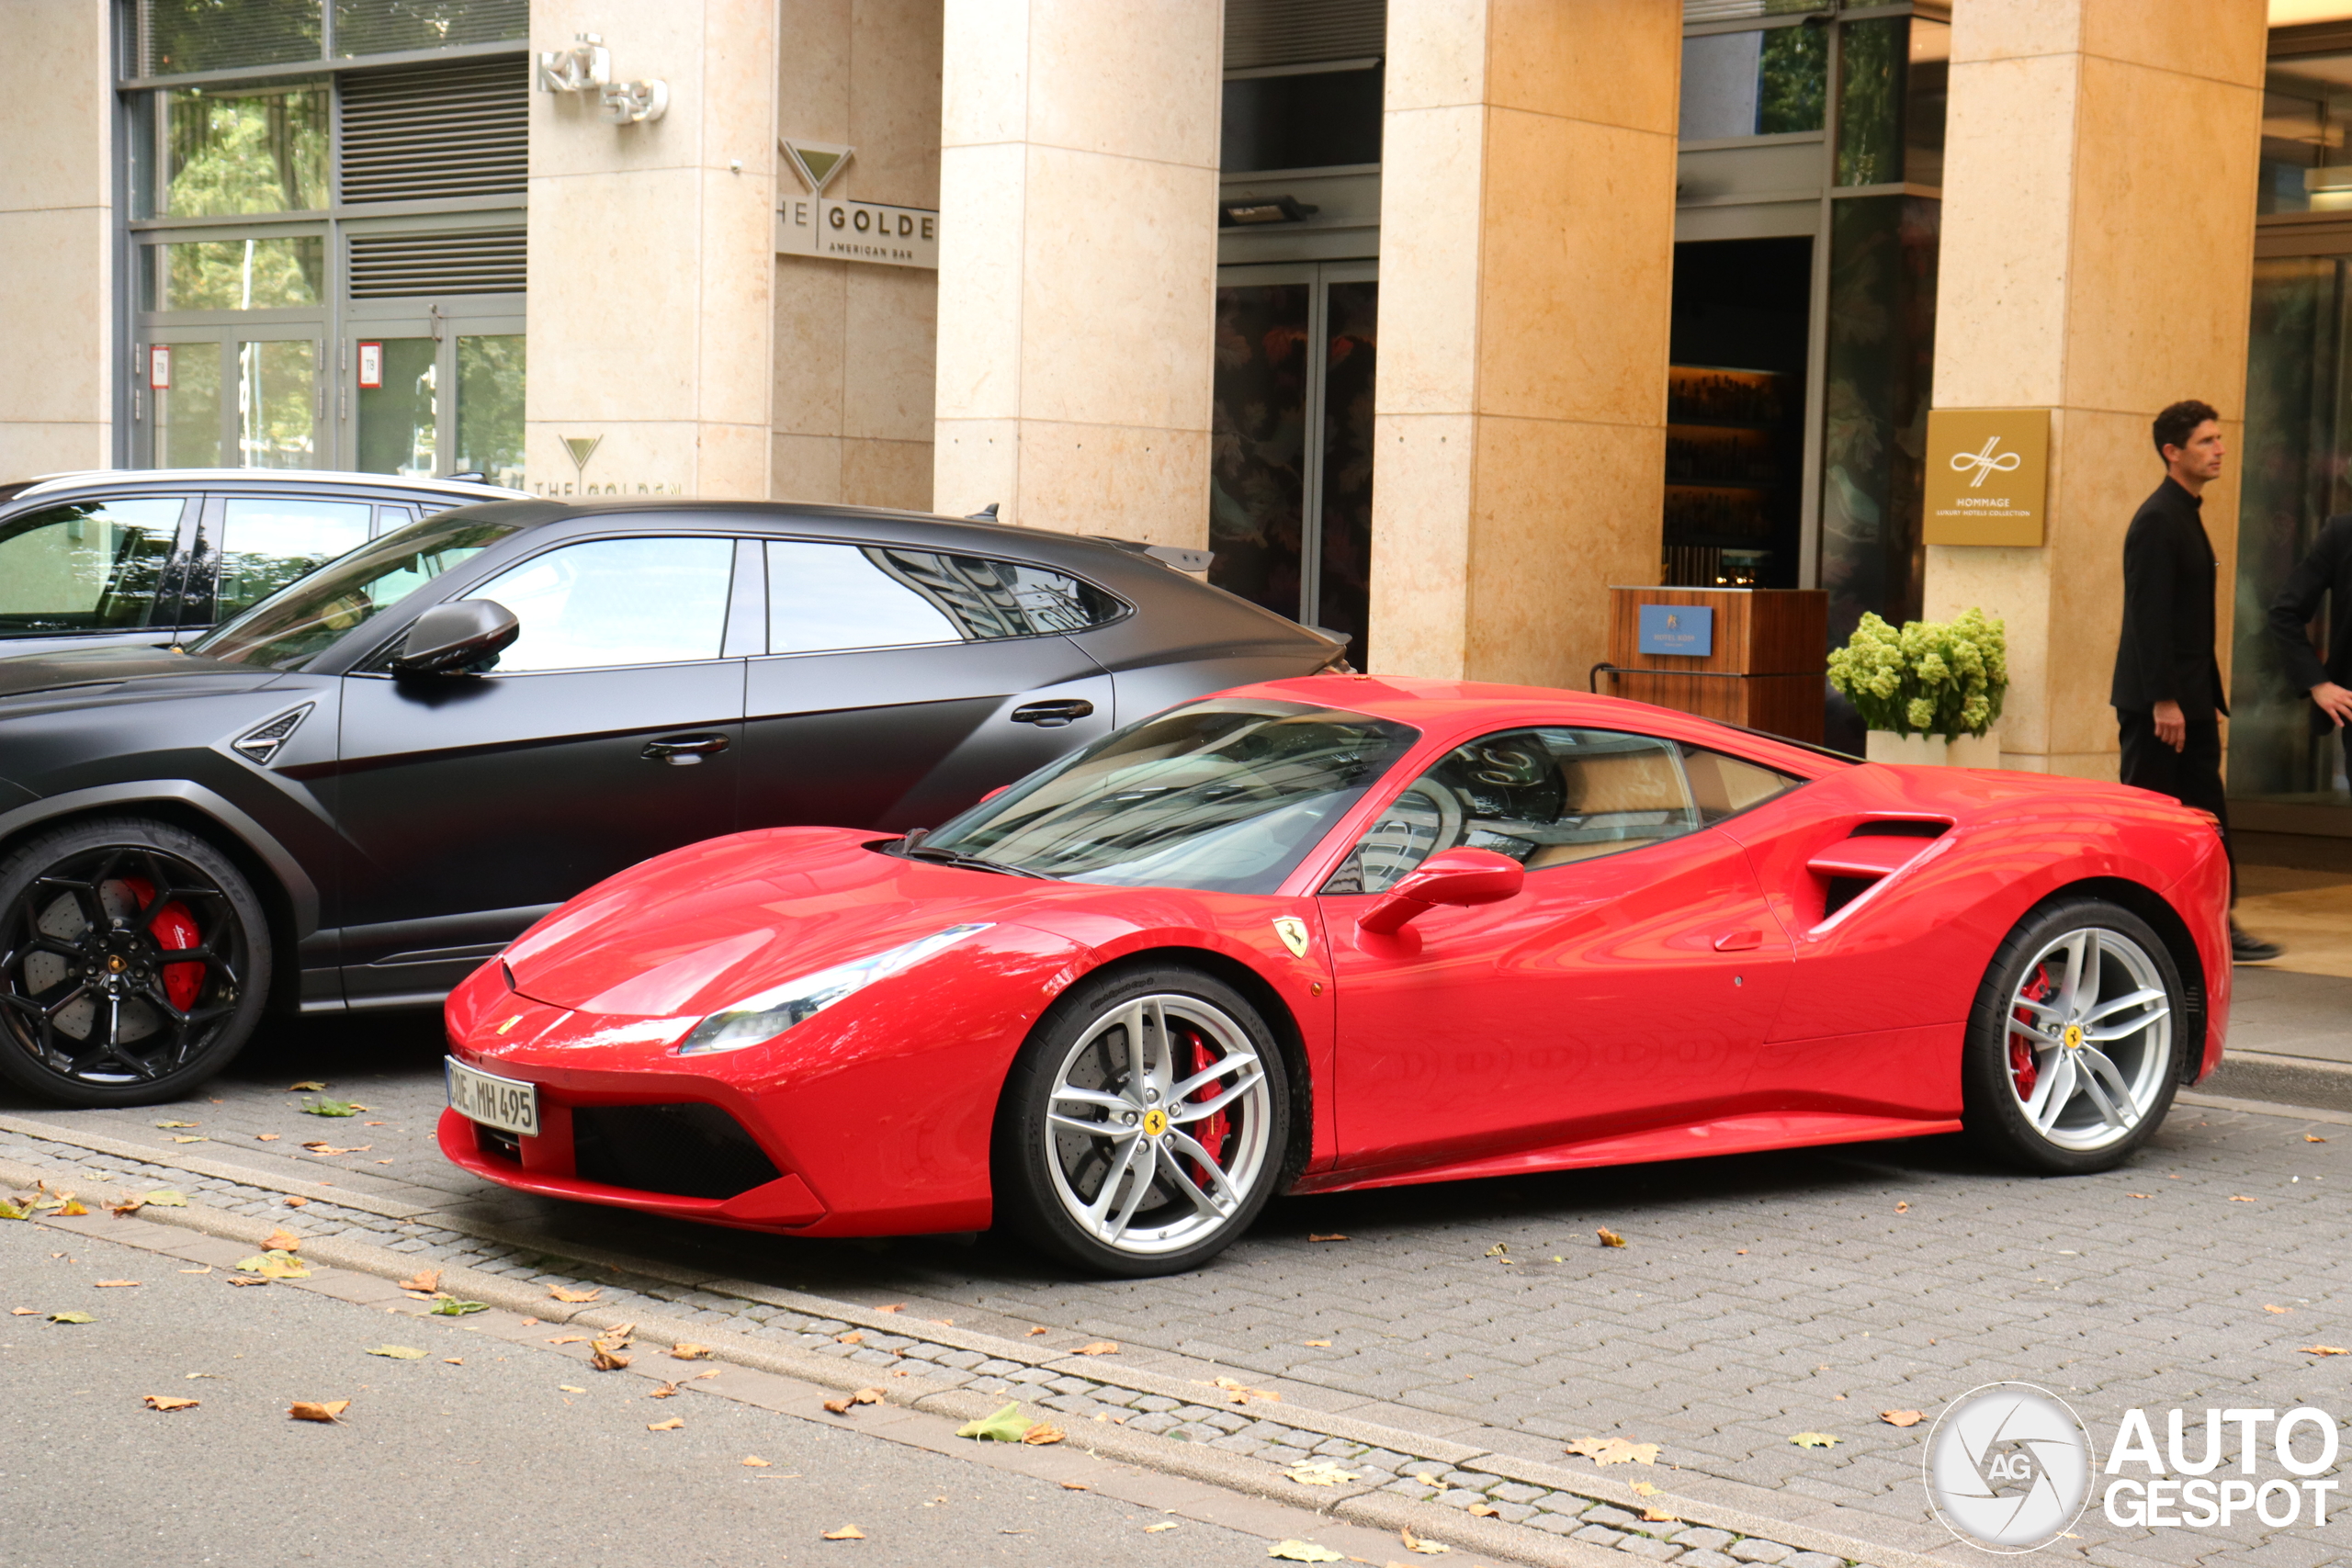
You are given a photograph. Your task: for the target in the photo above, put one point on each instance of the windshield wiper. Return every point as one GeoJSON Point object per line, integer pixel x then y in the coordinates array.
{"type": "Point", "coordinates": [970, 862]}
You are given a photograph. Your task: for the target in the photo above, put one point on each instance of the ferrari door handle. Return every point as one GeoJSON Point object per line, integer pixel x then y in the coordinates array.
{"type": "Point", "coordinates": [1738, 942]}
{"type": "Point", "coordinates": [683, 750]}
{"type": "Point", "coordinates": [1053, 715]}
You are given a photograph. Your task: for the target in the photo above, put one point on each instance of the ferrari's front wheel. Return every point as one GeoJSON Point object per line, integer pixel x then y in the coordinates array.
{"type": "Point", "coordinates": [1145, 1124]}
{"type": "Point", "coordinates": [2073, 1048]}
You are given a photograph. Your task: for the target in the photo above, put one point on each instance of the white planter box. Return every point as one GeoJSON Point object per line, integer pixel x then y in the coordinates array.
{"type": "Point", "coordinates": [1935, 750]}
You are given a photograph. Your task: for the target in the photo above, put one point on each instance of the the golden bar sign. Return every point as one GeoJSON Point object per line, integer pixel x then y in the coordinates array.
{"type": "Point", "coordinates": [1988, 474]}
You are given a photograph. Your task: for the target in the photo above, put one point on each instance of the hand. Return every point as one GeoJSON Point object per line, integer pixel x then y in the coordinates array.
{"type": "Point", "coordinates": [2334, 701]}
{"type": "Point", "coordinates": [2171, 728]}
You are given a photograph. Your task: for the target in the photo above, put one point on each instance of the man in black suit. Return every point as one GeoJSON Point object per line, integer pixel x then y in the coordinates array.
{"type": "Point", "coordinates": [2167, 692]}
{"type": "Point", "coordinates": [2326, 571]}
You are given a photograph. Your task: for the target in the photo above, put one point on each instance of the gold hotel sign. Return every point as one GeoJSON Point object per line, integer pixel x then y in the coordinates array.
{"type": "Point", "coordinates": [1988, 475]}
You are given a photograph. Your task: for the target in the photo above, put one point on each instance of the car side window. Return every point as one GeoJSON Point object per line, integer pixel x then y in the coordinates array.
{"type": "Point", "coordinates": [831, 597]}
{"type": "Point", "coordinates": [606, 602]}
{"type": "Point", "coordinates": [88, 566]}
{"type": "Point", "coordinates": [1550, 797]}
{"type": "Point", "coordinates": [269, 542]}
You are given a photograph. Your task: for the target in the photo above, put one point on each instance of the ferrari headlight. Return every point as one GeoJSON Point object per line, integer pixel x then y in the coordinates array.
{"type": "Point", "coordinates": [771, 1012]}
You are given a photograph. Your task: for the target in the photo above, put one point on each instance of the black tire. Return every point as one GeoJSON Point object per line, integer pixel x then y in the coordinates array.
{"type": "Point", "coordinates": [2115, 1062]}
{"type": "Point", "coordinates": [1174, 1219]}
{"type": "Point", "coordinates": [95, 1007]}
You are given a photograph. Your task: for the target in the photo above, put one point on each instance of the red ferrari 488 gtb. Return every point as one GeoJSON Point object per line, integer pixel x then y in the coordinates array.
{"type": "Point", "coordinates": [1337, 932]}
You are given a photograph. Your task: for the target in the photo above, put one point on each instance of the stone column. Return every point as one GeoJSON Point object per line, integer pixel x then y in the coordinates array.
{"type": "Point", "coordinates": [58, 357]}
{"type": "Point", "coordinates": [652, 257]}
{"type": "Point", "coordinates": [1077, 264]}
{"type": "Point", "coordinates": [2098, 261]}
{"type": "Point", "coordinates": [1526, 279]}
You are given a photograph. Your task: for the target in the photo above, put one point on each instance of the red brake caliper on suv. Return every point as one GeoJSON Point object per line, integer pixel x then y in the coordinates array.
{"type": "Point", "coordinates": [173, 929]}
{"type": "Point", "coordinates": [2023, 1069]}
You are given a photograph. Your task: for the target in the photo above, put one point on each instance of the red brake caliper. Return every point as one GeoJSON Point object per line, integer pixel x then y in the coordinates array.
{"type": "Point", "coordinates": [1211, 1129]}
{"type": "Point", "coordinates": [173, 928]}
{"type": "Point", "coordinates": [2023, 1068]}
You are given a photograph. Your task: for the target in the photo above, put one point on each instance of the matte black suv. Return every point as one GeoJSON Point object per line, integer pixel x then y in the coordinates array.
{"type": "Point", "coordinates": [146, 555]}
{"type": "Point", "coordinates": [354, 793]}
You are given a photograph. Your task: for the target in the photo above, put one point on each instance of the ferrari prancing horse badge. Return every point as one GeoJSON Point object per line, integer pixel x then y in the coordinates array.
{"type": "Point", "coordinates": [1292, 931]}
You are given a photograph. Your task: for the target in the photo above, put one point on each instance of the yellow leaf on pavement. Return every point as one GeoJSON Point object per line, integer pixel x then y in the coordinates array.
{"type": "Point", "coordinates": [281, 1240]}
{"type": "Point", "coordinates": [566, 1293]}
{"type": "Point", "coordinates": [1902, 1417]}
{"type": "Point", "coordinates": [687, 1351]}
{"type": "Point", "coordinates": [112, 1284]}
{"type": "Point", "coordinates": [426, 1279]}
{"type": "Point", "coordinates": [166, 1199]}
{"type": "Point", "coordinates": [755, 1461]}
{"type": "Point", "coordinates": [318, 1410]}
{"type": "Point", "coordinates": [1814, 1440]}
{"type": "Point", "coordinates": [847, 1533]}
{"type": "Point", "coordinates": [1609, 1237]}
{"type": "Point", "coordinates": [1304, 1552]}
{"type": "Point", "coordinates": [1041, 1434]}
{"type": "Point", "coordinates": [2326, 1350]}
{"type": "Point", "coordinates": [1415, 1544]}
{"type": "Point", "coordinates": [1099, 1348]}
{"type": "Point", "coordinates": [73, 1206]}
{"type": "Point", "coordinates": [165, 1402]}
{"type": "Point", "coordinates": [1614, 1450]}
{"type": "Point", "coordinates": [672, 1425]}
{"type": "Point", "coordinates": [1320, 1473]}
{"type": "Point", "coordinates": [397, 1352]}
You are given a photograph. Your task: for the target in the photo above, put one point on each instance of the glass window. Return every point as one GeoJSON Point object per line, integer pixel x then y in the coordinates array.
{"type": "Point", "coordinates": [220, 152]}
{"type": "Point", "coordinates": [187, 407]}
{"type": "Point", "coordinates": [657, 600]}
{"type": "Point", "coordinates": [88, 567]}
{"type": "Point", "coordinates": [1873, 57]}
{"type": "Point", "coordinates": [1221, 797]}
{"type": "Point", "coordinates": [1767, 83]}
{"type": "Point", "coordinates": [2306, 102]}
{"type": "Point", "coordinates": [829, 597]}
{"type": "Point", "coordinates": [1309, 119]}
{"type": "Point", "coordinates": [489, 407]}
{"type": "Point", "coordinates": [282, 632]}
{"type": "Point", "coordinates": [1549, 798]}
{"type": "Point", "coordinates": [180, 36]}
{"type": "Point", "coordinates": [234, 275]}
{"type": "Point", "coordinates": [269, 544]}
{"type": "Point", "coordinates": [277, 404]}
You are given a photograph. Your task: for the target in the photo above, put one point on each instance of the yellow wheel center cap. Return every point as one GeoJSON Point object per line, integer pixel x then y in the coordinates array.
{"type": "Point", "coordinates": [2073, 1038]}
{"type": "Point", "coordinates": [115, 964]}
{"type": "Point", "coordinates": [1155, 1122]}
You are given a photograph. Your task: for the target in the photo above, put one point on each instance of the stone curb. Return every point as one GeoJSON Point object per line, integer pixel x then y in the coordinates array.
{"type": "Point", "coordinates": [220, 1170]}
{"type": "Point", "coordinates": [2263, 1108]}
{"type": "Point", "coordinates": [1194, 1461]}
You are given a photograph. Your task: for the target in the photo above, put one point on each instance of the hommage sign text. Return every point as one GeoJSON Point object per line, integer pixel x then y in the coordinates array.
{"type": "Point", "coordinates": [1988, 476]}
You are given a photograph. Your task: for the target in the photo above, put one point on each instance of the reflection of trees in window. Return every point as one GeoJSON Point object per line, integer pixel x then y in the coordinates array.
{"type": "Point", "coordinates": [988, 599]}
{"type": "Point", "coordinates": [1871, 60]}
{"type": "Point", "coordinates": [489, 407]}
{"type": "Point", "coordinates": [1791, 78]}
{"type": "Point", "coordinates": [247, 152]}
{"type": "Point", "coordinates": [236, 274]}
{"type": "Point", "coordinates": [180, 36]}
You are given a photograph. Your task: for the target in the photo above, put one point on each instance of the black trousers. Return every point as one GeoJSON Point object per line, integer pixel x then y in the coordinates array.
{"type": "Point", "coordinates": [2192, 775]}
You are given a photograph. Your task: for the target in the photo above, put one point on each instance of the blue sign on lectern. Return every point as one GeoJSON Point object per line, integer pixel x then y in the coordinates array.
{"type": "Point", "coordinates": [1685, 629]}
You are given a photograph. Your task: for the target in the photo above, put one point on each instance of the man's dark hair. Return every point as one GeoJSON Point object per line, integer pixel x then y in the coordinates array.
{"type": "Point", "coordinates": [2178, 422]}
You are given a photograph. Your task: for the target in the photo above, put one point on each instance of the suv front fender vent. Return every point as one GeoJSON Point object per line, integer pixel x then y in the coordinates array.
{"type": "Point", "coordinates": [261, 744]}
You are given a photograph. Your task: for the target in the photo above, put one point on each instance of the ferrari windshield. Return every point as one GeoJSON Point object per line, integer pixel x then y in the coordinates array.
{"type": "Point", "coordinates": [305, 616]}
{"type": "Point", "coordinates": [1223, 797]}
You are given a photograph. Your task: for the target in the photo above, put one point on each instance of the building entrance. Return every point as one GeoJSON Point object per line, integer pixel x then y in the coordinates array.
{"type": "Point", "coordinates": [1290, 498]}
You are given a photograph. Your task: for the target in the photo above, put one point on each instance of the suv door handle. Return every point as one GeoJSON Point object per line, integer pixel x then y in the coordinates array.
{"type": "Point", "coordinates": [1053, 715]}
{"type": "Point", "coordinates": [683, 750]}
{"type": "Point", "coordinates": [1738, 942]}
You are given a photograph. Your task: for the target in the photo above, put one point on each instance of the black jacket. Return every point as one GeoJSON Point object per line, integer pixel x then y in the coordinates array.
{"type": "Point", "coordinates": [2166, 652]}
{"type": "Point", "coordinates": [2326, 570]}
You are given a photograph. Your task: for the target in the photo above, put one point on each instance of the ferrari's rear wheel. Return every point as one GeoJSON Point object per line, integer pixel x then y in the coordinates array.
{"type": "Point", "coordinates": [133, 962]}
{"type": "Point", "coordinates": [2074, 1047]}
{"type": "Point", "coordinates": [1144, 1123]}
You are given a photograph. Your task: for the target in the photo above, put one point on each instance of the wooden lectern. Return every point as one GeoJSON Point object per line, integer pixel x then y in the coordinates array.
{"type": "Point", "coordinates": [1749, 656]}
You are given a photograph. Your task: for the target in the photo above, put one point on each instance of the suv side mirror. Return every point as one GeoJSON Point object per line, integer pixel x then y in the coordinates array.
{"type": "Point", "coordinates": [448, 637]}
{"type": "Point", "coordinates": [1449, 876]}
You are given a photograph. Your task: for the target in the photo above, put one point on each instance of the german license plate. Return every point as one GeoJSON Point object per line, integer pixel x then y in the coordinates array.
{"type": "Point", "coordinates": [503, 1103]}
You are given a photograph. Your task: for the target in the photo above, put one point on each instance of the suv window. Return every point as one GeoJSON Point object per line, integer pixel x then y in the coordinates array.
{"type": "Point", "coordinates": [87, 566]}
{"type": "Point", "coordinates": [827, 597]}
{"type": "Point", "coordinates": [1549, 798]}
{"type": "Point", "coordinates": [604, 602]}
{"type": "Point", "coordinates": [267, 542]}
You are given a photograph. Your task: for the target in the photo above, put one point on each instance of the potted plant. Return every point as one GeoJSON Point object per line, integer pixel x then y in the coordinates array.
{"type": "Point", "coordinates": [1931, 691]}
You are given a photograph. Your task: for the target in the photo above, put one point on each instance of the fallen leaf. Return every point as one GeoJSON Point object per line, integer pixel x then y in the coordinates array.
{"type": "Point", "coordinates": [125, 1209]}
{"type": "Point", "coordinates": [1162, 1525]}
{"type": "Point", "coordinates": [73, 1206]}
{"type": "Point", "coordinates": [2326, 1350]}
{"type": "Point", "coordinates": [1034, 1332]}
{"type": "Point", "coordinates": [397, 1352]}
{"type": "Point", "coordinates": [298, 1203]}
{"type": "Point", "coordinates": [1614, 1450]}
{"type": "Point", "coordinates": [894, 1307]}
{"type": "Point", "coordinates": [1814, 1440]}
{"type": "Point", "coordinates": [1005, 1426]}
{"type": "Point", "coordinates": [456, 1308]}
{"type": "Point", "coordinates": [853, 1337]}
{"type": "Point", "coordinates": [1902, 1417]}
{"type": "Point", "coordinates": [24, 1312]}
{"type": "Point", "coordinates": [686, 1350]}
{"type": "Point", "coordinates": [1333, 1237]}
{"type": "Point", "coordinates": [2281, 1311]}
{"type": "Point", "coordinates": [206, 1269]}
{"type": "Point", "coordinates": [1099, 1348]}
{"type": "Point", "coordinates": [1304, 1552]}
{"type": "Point", "coordinates": [277, 1264]}
{"type": "Point", "coordinates": [247, 1280]}
{"type": "Point", "coordinates": [332, 1108]}
{"type": "Point", "coordinates": [1658, 1516]}
{"type": "Point", "coordinates": [2240, 1200]}
{"type": "Point", "coordinates": [1903, 1208]}
{"type": "Point", "coordinates": [111, 1284]}
{"type": "Point", "coordinates": [2138, 1194]}
{"type": "Point", "coordinates": [570, 1389]}
{"type": "Point", "coordinates": [1041, 1434]}
{"type": "Point", "coordinates": [842, 1405]}
{"type": "Point", "coordinates": [1497, 1250]}
{"type": "Point", "coordinates": [1320, 1473]}
{"type": "Point", "coordinates": [755, 1461]}
{"type": "Point", "coordinates": [427, 1279]}
{"type": "Point", "coordinates": [9, 1210]}
{"type": "Point", "coordinates": [2313, 1138]}
{"type": "Point", "coordinates": [672, 1425]}
{"type": "Point", "coordinates": [1484, 1510]}
{"type": "Point", "coordinates": [165, 1402]}
{"type": "Point", "coordinates": [166, 1199]}
{"type": "Point", "coordinates": [566, 1293]}
{"type": "Point", "coordinates": [71, 1317]}
{"type": "Point", "coordinates": [667, 1391]}
{"type": "Point", "coordinates": [190, 1138]}
{"type": "Point", "coordinates": [607, 1360]}
{"type": "Point", "coordinates": [1075, 1486]}
{"type": "Point", "coordinates": [1645, 1488]}
{"type": "Point", "coordinates": [266, 1138]}
{"type": "Point", "coordinates": [371, 1123]}
{"type": "Point", "coordinates": [323, 1150]}
{"type": "Point", "coordinates": [282, 1240]}
{"type": "Point", "coordinates": [453, 1361]}
{"type": "Point", "coordinates": [1415, 1544]}
{"type": "Point", "coordinates": [847, 1533]}
{"type": "Point", "coordinates": [179, 1123]}
{"type": "Point", "coordinates": [1609, 1237]}
{"type": "Point", "coordinates": [305, 1083]}
{"type": "Point", "coordinates": [569, 1339]}
{"type": "Point", "coordinates": [323, 1410]}
{"type": "Point", "coordinates": [1319, 1344]}
{"type": "Point", "coordinates": [1242, 1394]}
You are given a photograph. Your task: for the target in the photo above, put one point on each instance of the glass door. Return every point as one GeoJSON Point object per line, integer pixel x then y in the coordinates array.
{"type": "Point", "coordinates": [185, 419]}
{"type": "Point", "coordinates": [277, 399]}
{"type": "Point", "coordinates": [231, 397]}
{"type": "Point", "coordinates": [437, 393]}
{"type": "Point", "coordinates": [1290, 498]}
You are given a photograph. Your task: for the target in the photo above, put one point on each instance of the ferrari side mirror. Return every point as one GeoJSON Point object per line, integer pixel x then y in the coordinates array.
{"type": "Point", "coordinates": [448, 637]}
{"type": "Point", "coordinates": [1449, 876]}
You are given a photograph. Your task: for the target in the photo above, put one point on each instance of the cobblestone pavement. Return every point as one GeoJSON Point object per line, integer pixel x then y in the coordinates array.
{"type": "Point", "coordinates": [1758, 1296]}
